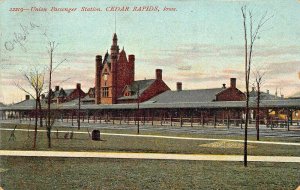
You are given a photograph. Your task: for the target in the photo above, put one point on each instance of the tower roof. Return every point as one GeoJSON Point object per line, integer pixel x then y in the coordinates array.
{"type": "Point", "coordinates": [122, 56]}
{"type": "Point", "coordinates": [115, 37]}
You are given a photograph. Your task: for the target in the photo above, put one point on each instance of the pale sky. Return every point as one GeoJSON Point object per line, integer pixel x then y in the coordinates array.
{"type": "Point", "coordinates": [200, 44]}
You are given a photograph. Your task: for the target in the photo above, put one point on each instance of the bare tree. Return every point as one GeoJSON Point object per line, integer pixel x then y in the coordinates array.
{"type": "Point", "coordinates": [52, 47]}
{"type": "Point", "coordinates": [257, 84]}
{"type": "Point", "coordinates": [249, 40]}
{"type": "Point", "coordinates": [35, 79]}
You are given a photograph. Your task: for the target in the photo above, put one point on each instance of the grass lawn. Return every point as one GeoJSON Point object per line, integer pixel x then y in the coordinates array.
{"type": "Point", "coordinates": [132, 129]}
{"type": "Point", "coordinates": [82, 142]}
{"type": "Point", "coordinates": [95, 173]}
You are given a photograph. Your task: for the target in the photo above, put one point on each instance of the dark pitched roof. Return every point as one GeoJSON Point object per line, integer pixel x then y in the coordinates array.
{"type": "Point", "coordinates": [263, 95]}
{"type": "Point", "coordinates": [202, 95]}
{"type": "Point", "coordinates": [91, 90]}
{"type": "Point", "coordinates": [69, 91]}
{"type": "Point", "coordinates": [55, 94]}
{"type": "Point", "coordinates": [107, 60]}
{"type": "Point", "coordinates": [280, 103]}
{"type": "Point", "coordinates": [87, 98]}
{"type": "Point", "coordinates": [62, 93]}
{"type": "Point", "coordinates": [133, 88]}
{"type": "Point", "coordinates": [122, 55]}
{"type": "Point", "coordinates": [26, 104]}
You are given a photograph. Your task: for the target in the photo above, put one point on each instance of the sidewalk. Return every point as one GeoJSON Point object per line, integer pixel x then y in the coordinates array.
{"type": "Point", "coordinates": [152, 156]}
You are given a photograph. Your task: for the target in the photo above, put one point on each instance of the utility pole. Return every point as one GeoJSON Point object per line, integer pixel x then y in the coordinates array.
{"type": "Point", "coordinates": [51, 49]}
{"type": "Point", "coordinates": [78, 113]}
{"type": "Point", "coordinates": [138, 109]}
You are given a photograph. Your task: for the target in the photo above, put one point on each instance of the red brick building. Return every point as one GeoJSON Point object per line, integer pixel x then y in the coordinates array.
{"type": "Point", "coordinates": [114, 79]}
{"type": "Point", "coordinates": [60, 95]}
{"type": "Point", "coordinates": [231, 93]}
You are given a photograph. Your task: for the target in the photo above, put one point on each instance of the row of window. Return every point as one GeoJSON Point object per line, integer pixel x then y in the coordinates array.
{"type": "Point", "coordinates": [105, 92]}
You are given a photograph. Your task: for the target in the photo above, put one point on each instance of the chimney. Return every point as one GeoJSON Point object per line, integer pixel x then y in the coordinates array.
{"type": "Point", "coordinates": [158, 74]}
{"type": "Point", "coordinates": [27, 97]}
{"type": "Point", "coordinates": [224, 85]}
{"type": "Point", "coordinates": [98, 63]}
{"type": "Point", "coordinates": [78, 86]}
{"type": "Point", "coordinates": [131, 58]}
{"type": "Point", "coordinates": [98, 59]}
{"type": "Point", "coordinates": [179, 86]}
{"type": "Point", "coordinates": [56, 88]}
{"type": "Point", "coordinates": [98, 79]}
{"type": "Point", "coordinates": [131, 61]}
{"type": "Point", "coordinates": [232, 82]}
{"type": "Point", "coordinates": [268, 91]}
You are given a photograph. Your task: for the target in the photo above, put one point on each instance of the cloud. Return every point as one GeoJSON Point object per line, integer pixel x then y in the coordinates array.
{"type": "Point", "coordinates": [286, 68]}
{"type": "Point", "coordinates": [185, 67]}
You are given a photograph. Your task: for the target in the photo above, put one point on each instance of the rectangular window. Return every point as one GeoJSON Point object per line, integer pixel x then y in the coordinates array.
{"type": "Point", "coordinates": [105, 92]}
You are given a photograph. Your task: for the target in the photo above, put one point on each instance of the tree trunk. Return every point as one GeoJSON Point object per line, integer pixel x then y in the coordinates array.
{"type": "Point", "coordinates": [49, 101]}
{"type": "Point", "coordinates": [258, 111]}
{"type": "Point", "coordinates": [40, 111]}
{"type": "Point", "coordinates": [247, 85]}
{"type": "Point", "coordinates": [35, 123]}
{"type": "Point", "coordinates": [49, 136]}
{"type": "Point", "coordinates": [246, 131]}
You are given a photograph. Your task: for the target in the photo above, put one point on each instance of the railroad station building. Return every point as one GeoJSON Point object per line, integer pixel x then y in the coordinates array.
{"type": "Point", "coordinates": [116, 95]}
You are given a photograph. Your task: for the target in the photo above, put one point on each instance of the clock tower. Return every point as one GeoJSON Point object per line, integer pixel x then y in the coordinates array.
{"type": "Point", "coordinates": [114, 53]}
{"type": "Point", "coordinates": [113, 72]}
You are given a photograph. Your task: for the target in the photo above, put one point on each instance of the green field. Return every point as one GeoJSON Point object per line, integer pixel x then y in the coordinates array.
{"type": "Point", "coordinates": [82, 142]}
{"type": "Point", "coordinates": [132, 129]}
{"type": "Point", "coordinates": [98, 173]}
{"type": "Point", "coordinates": [92, 173]}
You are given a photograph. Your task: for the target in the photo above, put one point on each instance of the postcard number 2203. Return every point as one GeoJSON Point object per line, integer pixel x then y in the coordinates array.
{"type": "Point", "coordinates": [16, 9]}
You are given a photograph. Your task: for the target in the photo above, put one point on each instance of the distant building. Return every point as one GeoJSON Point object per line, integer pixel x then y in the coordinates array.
{"type": "Point", "coordinates": [60, 95]}
{"type": "Point", "coordinates": [263, 95]}
{"type": "Point", "coordinates": [89, 97]}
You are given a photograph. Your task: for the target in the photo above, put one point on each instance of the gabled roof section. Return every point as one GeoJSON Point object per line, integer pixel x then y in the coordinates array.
{"type": "Point", "coordinates": [133, 88]}
{"type": "Point", "coordinates": [91, 90]}
{"type": "Point", "coordinates": [263, 95]}
{"type": "Point", "coordinates": [201, 95]}
{"type": "Point", "coordinates": [122, 56]}
{"type": "Point", "coordinates": [27, 104]}
{"type": "Point", "coordinates": [69, 91]}
{"type": "Point", "coordinates": [87, 98]}
{"type": "Point", "coordinates": [54, 94]}
{"type": "Point", "coordinates": [107, 60]}
{"type": "Point", "coordinates": [62, 93]}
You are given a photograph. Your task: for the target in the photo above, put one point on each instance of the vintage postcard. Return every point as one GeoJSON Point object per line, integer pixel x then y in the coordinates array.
{"type": "Point", "coordinates": [162, 94]}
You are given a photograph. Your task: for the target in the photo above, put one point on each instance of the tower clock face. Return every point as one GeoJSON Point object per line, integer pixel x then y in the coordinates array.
{"type": "Point", "coordinates": [105, 77]}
